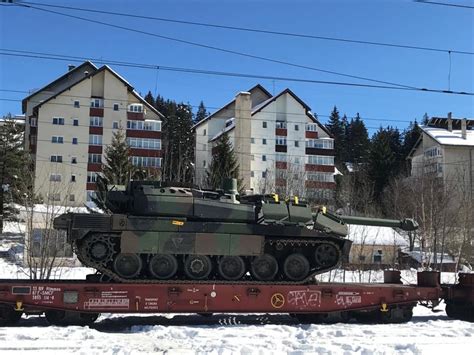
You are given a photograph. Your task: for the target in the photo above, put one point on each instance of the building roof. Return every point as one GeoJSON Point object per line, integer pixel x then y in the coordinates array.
{"type": "Point", "coordinates": [424, 257]}
{"type": "Point", "coordinates": [103, 68]}
{"type": "Point", "coordinates": [372, 235]}
{"type": "Point", "coordinates": [453, 138]}
{"type": "Point", "coordinates": [226, 106]}
{"type": "Point", "coordinates": [79, 67]}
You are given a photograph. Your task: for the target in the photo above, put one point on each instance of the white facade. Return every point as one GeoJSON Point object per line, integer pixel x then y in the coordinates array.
{"type": "Point", "coordinates": [68, 129]}
{"type": "Point", "coordinates": [289, 152]}
{"type": "Point", "coordinates": [446, 150]}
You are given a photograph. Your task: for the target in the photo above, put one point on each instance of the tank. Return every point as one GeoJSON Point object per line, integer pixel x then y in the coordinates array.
{"type": "Point", "coordinates": [159, 232]}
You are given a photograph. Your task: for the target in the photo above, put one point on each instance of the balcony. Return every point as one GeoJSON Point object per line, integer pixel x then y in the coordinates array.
{"type": "Point", "coordinates": [96, 130]}
{"type": "Point", "coordinates": [319, 151]}
{"type": "Point", "coordinates": [94, 167]}
{"type": "Point", "coordinates": [143, 134]}
{"type": "Point", "coordinates": [281, 165]}
{"type": "Point", "coordinates": [95, 149]}
{"type": "Point", "coordinates": [145, 152]}
{"type": "Point", "coordinates": [320, 168]}
{"type": "Point", "coordinates": [91, 186]}
{"type": "Point", "coordinates": [281, 132]}
{"type": "Point", "coordinates": [320, 185]}
{"type": "Point", "coordinates": [311, 134]}
{"type": "Point", "coordinates": [135, 116]}
{"type": "Point", "coordinates": [96, 112]}
{"type": "Point", "coordinates": [280, 148]}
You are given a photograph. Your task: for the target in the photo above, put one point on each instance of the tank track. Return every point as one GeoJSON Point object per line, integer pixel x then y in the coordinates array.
{"type": "Point", "coordinates": [110, 275]}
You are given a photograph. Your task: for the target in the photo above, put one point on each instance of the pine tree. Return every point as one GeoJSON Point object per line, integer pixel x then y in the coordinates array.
{"type": "Point", "coordinates": [336, 128]}
{"type": "Point", "coordinates": [410, 137]}
{"type": "Point", "coordinates": [16, 180]}
{"type": "Point", "coordinates": [149, 98]}
{"type": "Point", "coordinates": [357, 141]}
{"type": "Point", "coordinates": [201, 112]}
{"type": "Point", "coordinates": [117, 169]}
{"type": "Point", "coordinates": [383, 161]}
{"type": "Point", "coordinates": [223, 165]}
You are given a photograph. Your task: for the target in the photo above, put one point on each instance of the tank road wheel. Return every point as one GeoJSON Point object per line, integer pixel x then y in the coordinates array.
{"type": "Point", "coordinates": [163, 266]}
{"type": "Point", "coordinates": [231, 267]}
{"type": "Point", "coordinates": [99, 248]}
{"type": "Point", "coordinates": [264, 267]}
{"type": "Point", "coordinates": [296, 267]}
{"type": "Point", "coordinates": [197, 267]}
{"type": "Point", "coordinates": [128, 266]}
{"type": "Point", "coordinates": [326, 255]}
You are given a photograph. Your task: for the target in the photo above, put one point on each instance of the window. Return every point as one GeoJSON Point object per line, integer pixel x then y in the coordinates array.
{"type": "Point", "coordinates": [280, 140]}
{"type": "Point", "coordinates": [55, 177]}
{"type": "Point", "coordinates": [280, 124]}
{"type": "Point", "coordinates": [319, 176]}
{"type": "Point", "coordinates": [280, 157]}
{"type": "Point", "coordinates": [148, 125]}
{"type": "Point", "coordinates": [325, 143]}
{"type": "Point", "coordinates": [90, 195]}
{"type": "Point", "coordinates": [74, 140]}
{"type": "Point", "coordinates": [135, 108]}
{"type": "Point", "coordinates": [77, 104]}
{"type": "Point", "coordinates": [264, 174]}
{"type": "Point", "coordinates": [378, 258]}
{"type": "Point", "coordinates": [252, 140]}
{"type": "Point", "coordinates": [56, 158]}
{"type": "Point", "coordinates": [297, 143]}
{"type": "Point", "coordinates": [264, 158]}
{"type": "Point", "coordinates": [312, 127]}
{"type": "Point", "coordinates": [33, 122]}
{"type": "Point", "coordinates": [92, 176]}
{"type": "Point", "coordinates": [57, 139]}
{"type": "Point", "coordinates": [73, 178]}
{"type": "Point", "coordinates": [433, 152]}
{"type": "Point", "coordinates": [115, 125]}
{"type": "Point", "coordinates": [95, 158]}
{"type": "Point", "coordinates": [73, 160]}
{"type": "Point", "coordinates": [145, 143]}
{"type": "Point", "coordinates": [252, 157]}
{"type": "Point", "coordinates": [297, 127]}
{"type": "Point", "coordinates": [264, 141]}
{"type": "Point", "coordinates": [95, 121]}
{"type": "Point", "coordinates": [204, 163]}
{"type": "Point", "coordinates": [252, 174]}
{"type": "Point", "coordinates": [95, 139]}
{"type": "Point", "coordinates": [204, 132]}
{"type": "Point", "coordinates": [264, 124]}
{"type": "Point", "coordinates": [204, 146]}
{"type": "Point", "coordinates": [320, 160]}
{"type": "Point", "coordinates": [361, 257]}
{"type": "Point", "coordinates": [54, 197]}
{"type": "Point", "coordinates": [72, 198]}
{"type": "Point", "coordinates": [58, 121]}
{"type": "Point", "coordinates": [75, 122]}
{"type": "Point", "coordinates": [148, 162]}
{"type": "Point", "coordinates": [116, 107]}
{"type": "Point", "coordinates": [297, 160]}
{"type": "Point", "coordinates": [97, 103]}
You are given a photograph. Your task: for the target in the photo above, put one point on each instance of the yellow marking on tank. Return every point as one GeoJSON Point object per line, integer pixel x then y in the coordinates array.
{"type": "Point", "coordinates": [384, 308]}
{"type": "Point", "coordinates": [324, 209]}
{"type": "Point", "coordinates": [276, 197]}
{"type": "Point", "coordinates": [296, 200]}
{"type": "Point", "coordinates": [178, 223]}
{"type": "Point", "coordinates": [237, 298]}
{"type": "Point", "coordinates": [18, 306]}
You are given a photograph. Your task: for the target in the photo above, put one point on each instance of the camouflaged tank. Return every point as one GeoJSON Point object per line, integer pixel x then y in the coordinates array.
{"type": "Point", "coordinates": [159, 232]}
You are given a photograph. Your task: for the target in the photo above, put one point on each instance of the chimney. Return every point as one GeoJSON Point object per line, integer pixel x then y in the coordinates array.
{"type": "Point", "coordinates": [243, 133]}
{"type": "Point", "coordinates": [86, 73]}
{"type": "Point", "coordinates": [463, 128]}
{"type": "Point", "coordinates": [450, 122]}
{"type": "Point", "coordinates": [70, 67]}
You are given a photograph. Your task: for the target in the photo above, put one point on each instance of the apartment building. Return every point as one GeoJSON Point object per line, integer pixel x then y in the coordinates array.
{"type": "Point", "coordinates": [72, 119]}
{"type": "Point", "coordinates": [280, 145]}
{"type": "Point", "coordinates": [445, 150]}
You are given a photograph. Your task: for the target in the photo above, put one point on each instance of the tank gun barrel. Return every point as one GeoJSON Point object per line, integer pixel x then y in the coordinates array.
{"type": "Point", "coordinates": [335, 221]}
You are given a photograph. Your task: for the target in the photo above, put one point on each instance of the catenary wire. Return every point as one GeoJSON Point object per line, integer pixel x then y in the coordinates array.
{"type": "Point", "coordinates": [253, 30]}
{"type": "Point", "coordinates": [229, 74]}
{"type": "Point", "coordinates": [224, 50]}
{"type": "Point", "coordinates": [444, 4]}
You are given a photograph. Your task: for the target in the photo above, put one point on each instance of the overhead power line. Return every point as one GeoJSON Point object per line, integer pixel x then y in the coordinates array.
{"type": "Point", "coordinates": [219, 49]}
{"type": "Point", "coordinates": [253, 30]}
{"type": "Point", "coordinates": [444, 4]}
{"type": "Point", "coordinates": [59, 57]}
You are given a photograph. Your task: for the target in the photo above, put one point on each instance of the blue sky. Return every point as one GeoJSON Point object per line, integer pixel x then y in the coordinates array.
{"type": "Point", "coordinates": [396, 21]}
